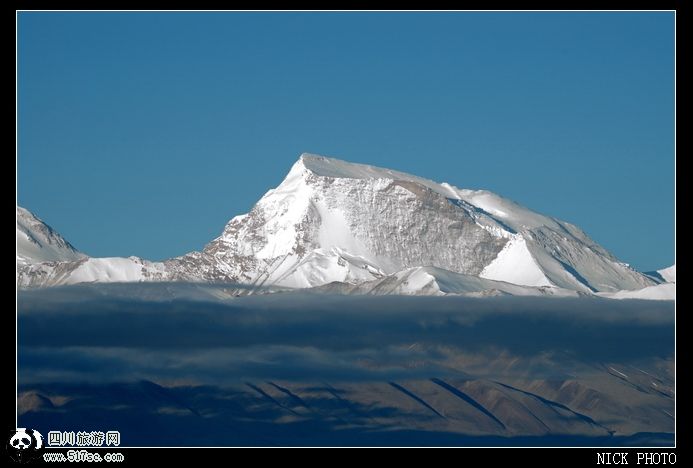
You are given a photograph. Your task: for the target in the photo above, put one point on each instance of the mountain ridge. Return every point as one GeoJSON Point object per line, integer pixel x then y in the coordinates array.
{"type": "Point", "coordinates": [333, 221]}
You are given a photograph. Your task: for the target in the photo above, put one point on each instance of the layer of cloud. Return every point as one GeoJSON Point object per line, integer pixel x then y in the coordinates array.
{"type": "Point", "coordinates": [94, 332]}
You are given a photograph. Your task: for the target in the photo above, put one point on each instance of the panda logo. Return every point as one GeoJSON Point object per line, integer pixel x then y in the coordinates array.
{"type": "Point", "coordinates": [23, 443]}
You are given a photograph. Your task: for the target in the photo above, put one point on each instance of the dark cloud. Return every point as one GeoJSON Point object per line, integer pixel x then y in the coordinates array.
{"type": "Point", "coordinates": [106, 332]}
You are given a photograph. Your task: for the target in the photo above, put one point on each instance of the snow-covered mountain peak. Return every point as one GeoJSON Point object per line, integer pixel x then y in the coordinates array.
{"type": "Point", "coordinates": [334, 221]}
{"type": "Point", "coordinates": [37, 242]}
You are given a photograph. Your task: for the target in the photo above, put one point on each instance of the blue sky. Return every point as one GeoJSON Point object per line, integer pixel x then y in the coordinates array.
{"type": "Point", "coordinates": [144, 133]}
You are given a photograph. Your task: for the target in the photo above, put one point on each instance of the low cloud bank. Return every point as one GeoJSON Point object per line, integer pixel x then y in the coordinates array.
{"type": "Point", "coordinates": [156, 331]}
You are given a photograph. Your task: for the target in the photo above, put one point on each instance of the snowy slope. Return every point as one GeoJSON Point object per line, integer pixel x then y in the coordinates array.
{"type": "Point", "coordinates": [91, 270]}
{"type": "Point", "coordinates": [665, 291]}
{"type": "Point", "coordinates": [516, 264]}
{"type": "Point", "coordinates": [669, 274]}
{"type": "Point", "coordinates": [37, 242]}
{"type": "Point", "coordinates": [334, 221]}
{"type": "Point", "coordinates": [665, 275]}
{"type": "Point", "coordinates": [432, 281]}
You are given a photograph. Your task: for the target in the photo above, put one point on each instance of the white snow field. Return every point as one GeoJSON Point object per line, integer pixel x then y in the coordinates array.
{"type": "Point", "coordinates": [660, 292]}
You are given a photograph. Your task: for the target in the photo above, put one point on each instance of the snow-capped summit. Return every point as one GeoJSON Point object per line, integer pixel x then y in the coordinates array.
{"type": "Point", "coordinates": [322, 166]}
{"type": "Point", "coordinates": [334, 221]}
{"type": "Point", "coordinates": [331, 220]}
{"type": "Point", "coordinates": [37, 242]}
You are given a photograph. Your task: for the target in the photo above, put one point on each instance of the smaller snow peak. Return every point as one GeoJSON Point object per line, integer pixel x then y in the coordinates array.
{"type": "Point", "coordinates": [37, 242]}
{"type": "Point", "coordinates": [668, 275]}
{"type": "Point", "coordinates": [665, 275]}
